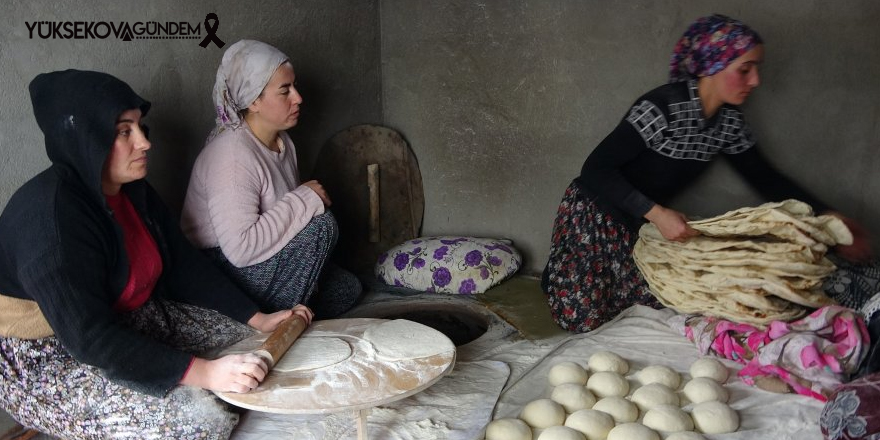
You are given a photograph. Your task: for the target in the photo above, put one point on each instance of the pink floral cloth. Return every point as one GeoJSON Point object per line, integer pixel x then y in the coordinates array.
{"type": "Point", "coordinates": [813, 355]}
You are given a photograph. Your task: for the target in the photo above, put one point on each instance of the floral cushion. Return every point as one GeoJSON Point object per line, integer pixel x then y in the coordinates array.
{"type": "Point", "coordinates": [448, 264]}
{"type": "Point", "coordinates": [853, 412]}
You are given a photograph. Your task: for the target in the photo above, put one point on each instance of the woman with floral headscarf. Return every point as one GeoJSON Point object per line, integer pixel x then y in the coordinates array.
{"type": "Point", "coordinates": [246, 206]}
{"type": "Point", "coordinates": [666, 140]}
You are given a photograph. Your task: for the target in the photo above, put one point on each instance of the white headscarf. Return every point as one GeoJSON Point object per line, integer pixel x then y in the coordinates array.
{"type": "Point", "coordinates": [245, 70]}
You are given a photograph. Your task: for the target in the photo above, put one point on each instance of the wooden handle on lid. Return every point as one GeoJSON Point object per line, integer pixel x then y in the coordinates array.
{"type": "Point", "coordinates": [281, 339]}
{"type": "Point", "coordinates": [373, 185]}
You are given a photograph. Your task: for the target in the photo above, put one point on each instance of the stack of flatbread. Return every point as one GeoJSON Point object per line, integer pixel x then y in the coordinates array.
{"type": "Point", "coordinates": [752, 265]}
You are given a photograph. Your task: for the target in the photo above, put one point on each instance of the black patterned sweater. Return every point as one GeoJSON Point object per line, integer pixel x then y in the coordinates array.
{"type": "Point", "coordinates": [664, 144]}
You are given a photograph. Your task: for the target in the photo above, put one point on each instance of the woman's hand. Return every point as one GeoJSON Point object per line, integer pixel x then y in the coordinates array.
{"type": "Point", "coordinates": [237, 373]}
{"type": "Point", "coordinates": [266, 323]}
{"type": "Point", "coordinates": [860, 250]}
{"type": "Point", "coordinates": [304, 312]}
{"type": "Point", "coordinates": [315, 186]}
{"type": "Point", "coordinates": [671, 223]}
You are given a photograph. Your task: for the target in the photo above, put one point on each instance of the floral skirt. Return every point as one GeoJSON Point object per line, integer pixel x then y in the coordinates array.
{"type": "Point", "coordinates": [590, 275]}
{"type": "Point", "coordinates": [44, 388]}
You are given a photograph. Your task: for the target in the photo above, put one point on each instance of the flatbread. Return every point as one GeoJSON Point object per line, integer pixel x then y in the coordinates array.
{"type": "Point", "coordinates": [401, 339]}
{"type": "Point", "coordinates": [753, 264]}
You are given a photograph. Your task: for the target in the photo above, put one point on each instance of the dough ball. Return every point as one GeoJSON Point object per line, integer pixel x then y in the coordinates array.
{"type": "Point", "coordinates": [659, 374]}
{"type": "Point", "coordinates": [652, 395]}
{"type": "Point", "coordinates": [620, 409]}
{"type": "Point", "coordinates": [704, 389]}
{"type": "Point", "coordinates": [573, 397]}
{"type": "Point", "coordinates": [710, 367]}
{"type": "Point", "coordinates": [685, 435]}
{"type": "Point", "coordinates": [668, 418]}
{"type": "Point", "coordinates": [567, 372]}
{"type": "Point", "coordinates": [508, 429]}
{"type": "Point", "coordinates": [632, 431]}
{"type": "Point", "coordinates": [608, 383]}
{"type": "Point", "coordinates": [608, 361]}
{"type": "Point", "coordinates": [714, 417]}
{"type": "Point", "coordinates": [560, 433]}
{"type": "Point", "coordinates": [543, 413]}
{"type": "Point", "coordinates": [593, 424]}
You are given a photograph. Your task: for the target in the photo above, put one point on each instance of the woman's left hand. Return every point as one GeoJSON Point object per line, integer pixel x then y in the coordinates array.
{"type": "Point", "coordinates": [316, 186]}
{"type": "Point", "coordinates": [860, 250]}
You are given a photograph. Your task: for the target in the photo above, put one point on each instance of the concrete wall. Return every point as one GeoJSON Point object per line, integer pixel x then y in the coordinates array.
{"type": "Point", "coordinates": [333, 45]}
{"type": "Point", "coordinates": [503, 100]}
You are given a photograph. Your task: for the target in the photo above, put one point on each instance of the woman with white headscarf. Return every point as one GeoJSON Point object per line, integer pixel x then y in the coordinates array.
{"type": "Point", "coordinates": [246, 206]}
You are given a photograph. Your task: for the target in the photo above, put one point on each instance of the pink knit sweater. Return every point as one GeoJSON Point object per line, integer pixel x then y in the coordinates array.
{"type": "Point", "coordinates": [245, 198]}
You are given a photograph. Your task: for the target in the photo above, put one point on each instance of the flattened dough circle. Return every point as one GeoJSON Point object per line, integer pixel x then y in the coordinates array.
{"type": "Point", "coordinates": [402, 339]}
{"type": "Point", "coordinates": [312, 353]}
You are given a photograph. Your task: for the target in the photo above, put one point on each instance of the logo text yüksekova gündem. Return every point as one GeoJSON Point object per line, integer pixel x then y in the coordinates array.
{"type": "Point", "coordinates": [80, 30]}
{"type": "Point", "coordinates": [140, 30]}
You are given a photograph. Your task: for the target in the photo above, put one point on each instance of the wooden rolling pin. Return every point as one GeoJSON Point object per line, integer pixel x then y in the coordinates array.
{"type": "Point", "coordinates": [280, 340]}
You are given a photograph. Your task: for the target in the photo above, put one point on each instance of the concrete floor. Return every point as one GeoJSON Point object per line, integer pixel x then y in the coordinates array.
{"type": "Point", "coordinates": [518, 301]}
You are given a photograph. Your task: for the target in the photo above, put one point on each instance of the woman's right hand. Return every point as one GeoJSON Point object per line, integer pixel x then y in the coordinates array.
{"type": "Point", "coordinates": [304, 312]}
{"type": "Point", "coordinates": [236, 373]}
{"type": "Point", "coordinates": [671, 223]}
{"type": "Point", "coordinates": [268, 322]}
{"type": "Point", "coordinates": [316, 186]}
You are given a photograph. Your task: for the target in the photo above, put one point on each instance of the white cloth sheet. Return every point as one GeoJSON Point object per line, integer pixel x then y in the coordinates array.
{"type": "Point", "coordinates": [641, 336]}
{"type": "Point", "coordinates": [496, 377]}
{"type": "Point", "coordinates": [457, 407]}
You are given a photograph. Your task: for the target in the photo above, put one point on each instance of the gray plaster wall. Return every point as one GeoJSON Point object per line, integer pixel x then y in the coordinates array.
{"type": "Point", "coordinates": [333, 45]}
{"type": "Point", "coordinates": [503, 100]}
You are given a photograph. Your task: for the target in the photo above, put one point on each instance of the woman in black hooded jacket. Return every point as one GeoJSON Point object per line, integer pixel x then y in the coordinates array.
{"type": "Point", "coordinates": [105, 308]}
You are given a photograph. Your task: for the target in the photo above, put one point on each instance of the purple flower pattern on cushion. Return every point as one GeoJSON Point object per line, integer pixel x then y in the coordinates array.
{"type": "Point", "coordinates": [418, 263]}
{"type": "Point", "coordinates": [463, 265]}
{"type": "Point", "coordinates": [484, 273]}
{"type": "Point", "coordinates": [400, 261]}
{"type": "Point", "coordinates": [473, 258]}
{"type": "Point", "coordinates": [441, 252]}
{"type": "Point", "coordinates": [442, 276]}
{"type": "Point", "coordinates": [467, 286]}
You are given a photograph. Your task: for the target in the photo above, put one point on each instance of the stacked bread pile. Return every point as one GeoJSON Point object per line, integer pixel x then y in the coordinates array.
{"type": "Point", "coordinates": [752, 265]}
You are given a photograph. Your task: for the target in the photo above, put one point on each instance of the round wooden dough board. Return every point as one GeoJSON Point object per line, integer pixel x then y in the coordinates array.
{"type": "Point", "coordinates": [341, 168]}
{"type": "Point", "coordinates": [363, 380]}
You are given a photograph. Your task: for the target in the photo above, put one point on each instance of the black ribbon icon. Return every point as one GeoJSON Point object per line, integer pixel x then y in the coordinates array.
{"type": "Point", "coordinates": [211, 30]}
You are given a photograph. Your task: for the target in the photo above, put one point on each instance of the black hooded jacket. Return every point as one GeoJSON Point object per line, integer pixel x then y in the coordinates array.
{"type": "Point", "coordinates": [61, 247]}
